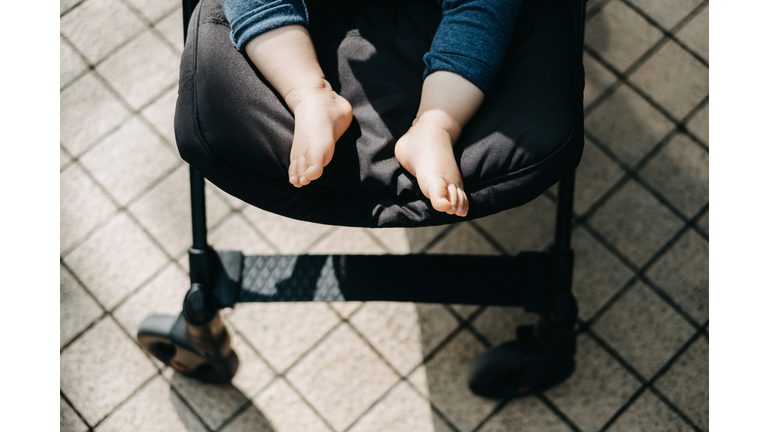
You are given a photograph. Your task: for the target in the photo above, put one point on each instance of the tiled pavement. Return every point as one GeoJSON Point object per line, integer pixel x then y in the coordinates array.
{"type": "Point", "coordinates": [641, 242]}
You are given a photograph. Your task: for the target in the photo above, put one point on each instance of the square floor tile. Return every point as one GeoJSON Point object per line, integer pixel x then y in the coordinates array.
{"type": "Point", "coordinates": [463, 239]}
{"type": "Point", "coordinates": [214, 403]}
{"type": "Point", "coordinates": [101, 369]}
{"type": "Point", "coordinates": [527, 228]}
{"type": "Point", "coordinates": [172, 29]}
{"type": "Point", "coordinates": [236, 234]}
{"type": "Point", "coordinates": [130, 160]}
{"type": "Point", "coordinates": [648, 413]}
{"type": "Point", "coordinates": [66, 5]}
{"type": "Point", "coordinates": [597, 389]}
{"type": "Point", "coordinates": [695, 33]}
{"type": "Point", "coordinates": [291, 236]}
{"type": "Point", "coordinates": [465, 311]}
{"type": "Point", "coordinates": [686, 383]}
{"type": "Point", "coordinates": [698, 125]}
{"type": "Point", "coordinates": [407, 240]}
{"type": "Point", "coordinates": [346, 308]}
{"type": "Point", "coordinates": [499, 324]}
{"type": "Point", "coordinates": [447, 383]}
{"type": "Point", "coordinates": [154, 9]}
{"type": "Point", "coordinates": [525, 415]}
{"type": "Point", "coordinates": [69, 420]}
{"type": "Point", "coordinates": [597, 78]}
{"type": "Point", "coordinates": [667, 13]}
{"type": "Point", "coordinates": [703, 222]}
{"type": "Point", "coordinates": [643, 329]}
{"type": "Point", "coordinates": [87, 112]}
{"type": "Point", "coordinates": [683, 273]}
{"type": "Point", "coordinates": [141, 70]}
{"type": "Point", "coordinates": [71, 65]}
{"type": "Point", "coordinates": [115, 260]}
{"type": "Point", "coordinates": [249, 420]}
{"type": "Point", "coordinates": [435, 323]}
{"type": "Point", "coordinates": [287, 411]}
{"type": "Point", "coordinates": [342, 377]}
{"type": "Point", "coordinates": [82, 206]}
{"type": "Point", "coordinates": [594, 177]}
{"type": "Point", "coordinates": [154, 408]}
{"type": "Point", "coordinates": [393, 329]}
{"type": "Point", "coordinates": [283, 332]}
{"type": "Point", "coordinates": [77, 309]}
{"type": "Point", "coordinates": [680, 172]}
{"type": "Point", "coordinates": [402, 409]}
{"type": "Point", "coordinates": [64, 158]}
{"type": "Point", "coordinates": [165, 211]}
{"type": "Point", "coordinates": [673, 78]}
{"type": "Point", "coordinates": [345, 240]}
{"type": "Point", "coordinates": [97, 27]}
{"type": "Point", "coordinates": [597, 274]}
{"type": "Point", "coordinates": [636, 223]}
{"type": "Point", "coordinates": [620, 35]}
{"type": "Point", "coordinates": [628, 125]}
{"type": "Point", "coordinates": [160, 113]}
{"type": "Point", "coordinates": [253, 374]}
{"type": "Point", "coordinates": [163, 295]}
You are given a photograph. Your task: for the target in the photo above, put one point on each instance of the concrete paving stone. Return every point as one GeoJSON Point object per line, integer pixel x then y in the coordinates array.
{"type": "Point", "coordinates": [286, 411]}
{"type": "Point", "coordinates": [291, 236]}
{"type": "Point", "coordinates": [635, 222]}
{"type": "Point", "coordinates": [703, 222]}
{"type": "Point", "coordinates": [154, 408]}
{"type": "Point", "coordinates": [597, 274]}
{"type": "Point", "coordinates": [447, 383]}
{"type": "Point", "coordinates": [439, 424]}
{"type": "Point", "coordinates": [699, 125]}
{"type": "Point", "coordinates": [130, 160]}
{"type": "Point", "coordinates": [525, 415]}
{"type": "Point", "coordinates": [620, 35]}
{"type": "Point", "coordinates": [346, 308]}
{"type": "Point", "coordinates": [97, 27]}
{"type": "Point", "coordinates": [595, 4]}
{"type": "Point", "coordinates": [680, 172]}
{"type": "Point", "coordinates": [68, 419]}
{"type": "Point", "coordinates": [214, 403]}
{"type": "Point", "coordinates": [418, 379]}
{"type": "Point", "coordinates": [346, 240]}
{"type": "Point", "coordinates": [82, 206]}
{"type": "Point", "coordinates": [402, 409]}
{"type": "Point", "coordinates": [101, 369]}
{"type": "Point", "coordinates": [436, 324]}
{"type": "Point", "coordinates": [250, 420]}
{"type": "Point", "coordinates": [527, 228]}
{"type": "Point", "coordinates": [673, 78]}
{"type": "Point", "coordinates": [172, 29]}
{"type": "Point", "coordinates": [683, 273]}
{"type": "Point", "coordinates": [395, 240]}
{"type": "Point", "coordinates": [236, 234]}
{"type": "Point", "coordinates": [160, 113]}
{"type": "Point", "coordinates": [420, 238]}
{"type": "Point", "coordinates": [666, 13]}
{"type": "Point", "coordinates": [115, 260]}
{"type": "Point", "coordinates": [464, 310]}
{"type": "Point", "coordinates": [595, 175]}
{"type": "Point", "coordinates": [686, 383]}
{"type": "Point", "coordinates": [498, 324]}
{"type": "Point", "coordinates": [163, 295]}
{"type": "Point", "coordinates": [628, 125]}
{"type": "Point", "coordinates": [253, 374]}
{"type": "Point", "coordinates": [596, 79]}
{"type": "Point", "coordinates": [695, 33]}
{"type": "Point", "coordinates": [648, 413]}
{"type": "Point", "coordinates": [87, 111]}
{"type": "Point", "coordinates": [64, 158]}
{"type": "Point", "coordinates": [283, 332]}
{"type": "Point", "coordinates": [154, 9]}
{"type": "Point", "coordinates": [393, 329]}
{"type": "Point", "coordinates": [66, 5]}
{"type": "Point", "coordinates": [71, 65]}
{"type": "Point", "coordinates": [463, 240]}
{"type": "Point", "coordinates": [597, 389]}
{"type": "Point", "coordinates": [77, 309]}
{"type": "Point", "coordinates": [142, 69]}
{"type": "Point", "coordinates": [165, 212]}
{"type": "Point", "coordinates": [342, 377]}
{"type": "Point", "coordinates": [643, 329]}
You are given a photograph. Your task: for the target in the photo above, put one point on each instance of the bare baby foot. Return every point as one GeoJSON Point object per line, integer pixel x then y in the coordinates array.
{"type": "Point", "coordinates": [426, 151]}
{"type": "Point", "coordinates": [322, 116]}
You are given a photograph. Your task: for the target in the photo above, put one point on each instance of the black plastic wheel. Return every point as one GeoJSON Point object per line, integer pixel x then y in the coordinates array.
{"type": "Point", "coordinates": [519, 367]}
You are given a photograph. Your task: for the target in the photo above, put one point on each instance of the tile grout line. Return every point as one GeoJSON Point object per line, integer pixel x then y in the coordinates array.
{"type": "Point", "coordinates": [72, 406]}
{"type": "Point", "coordinates": [556, 410]}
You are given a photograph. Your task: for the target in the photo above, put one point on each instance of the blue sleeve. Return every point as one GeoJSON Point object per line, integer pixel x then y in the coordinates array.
{"type": "Point", "coordinates": [250, 18]}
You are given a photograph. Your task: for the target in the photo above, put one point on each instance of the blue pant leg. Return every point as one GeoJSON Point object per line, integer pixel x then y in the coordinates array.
{"type": "Point", "coordinates": [472, 39]}
{"type": "Point", "coordinates": [250, 18]}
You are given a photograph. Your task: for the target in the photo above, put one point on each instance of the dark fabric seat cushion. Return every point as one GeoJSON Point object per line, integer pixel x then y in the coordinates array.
{"type": "Point", "coordinates": [236, 131]}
